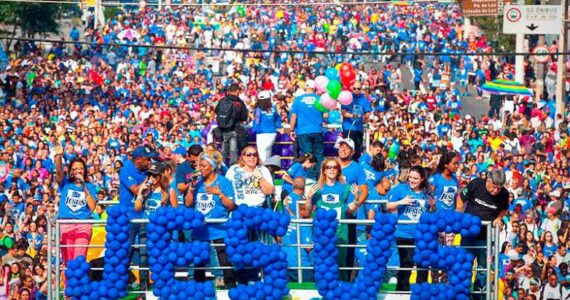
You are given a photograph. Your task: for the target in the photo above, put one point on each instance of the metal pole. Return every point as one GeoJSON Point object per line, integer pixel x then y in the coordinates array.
{"type": "Point", "coordinates": [519, 59]}
{"type": "Point", "coordinates": [49, 256]}
{"type": "Point", "coordinates": [57, 262]}
{"type": "Point", "coordinates": [489, 238]}
{"type": "Point", "coordinates": [561, 76]}
{"type": "Point", "coordinates": [496, 245]}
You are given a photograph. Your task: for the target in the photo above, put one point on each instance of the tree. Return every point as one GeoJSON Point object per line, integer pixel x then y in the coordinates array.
{"type": "Point", "coordinates": [31, 18]}
{"type": "Point", "coordinates": [493, 28]}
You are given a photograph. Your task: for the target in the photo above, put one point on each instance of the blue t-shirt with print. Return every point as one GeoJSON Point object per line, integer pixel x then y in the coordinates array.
{"type": "Point", "coordinates": [266, 121]}
{"type": "Point", "coordinates": [524, 202]}
{"type": "Point", "coordinates": [211, 206]}
{"type": "Point", "coordinates": [354, 173]}
{"type": "Point", "coordinates": [129, 176]}
{"type": "Point", "coordinates": [152, 203]}
{"type": "Point", "coordinates": [446, 191]}
{"type": "Point", "coordinates": [295, 170]}
{"type": "Point", "coordinates": [359, 106]}
{"type": "Point", "coordinates": [73, 201]}
{"type": "Point", "coordinates": [411, 212]}
{"type": "Point", "coordinates": [312, 119]}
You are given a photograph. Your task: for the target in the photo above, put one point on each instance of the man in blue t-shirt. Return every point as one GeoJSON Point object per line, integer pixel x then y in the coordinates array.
{"type": "Point", "coordinates": [307, 123]}
{"type": "Point", "coordinates": [131, 178]}
{"type": "Point", "coordinates": [353, 116]}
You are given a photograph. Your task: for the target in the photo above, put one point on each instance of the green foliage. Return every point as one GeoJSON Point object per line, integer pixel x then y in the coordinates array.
{"type": "Point", "coordinates": [32, 18]}
{"type": "Point", "coordinates": [493, 28]}
{"type": "Point", "coordinates": [111, 12]}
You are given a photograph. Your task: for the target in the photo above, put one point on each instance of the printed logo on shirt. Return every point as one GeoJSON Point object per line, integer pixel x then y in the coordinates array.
{"type": "Point", "coordinates": [75, 200]}
{"type": "Point", "coordinates": [448, 195]}
{"type": "Point", "coordinates": [483, 203]}
{"type": "Point", "coordinates": [205, 203]}
{"type": "Point", "coordinates": [331, 198]}
{"type": "Point", "coordinates": [370, 176]}
{"type": "Point", "coordinates": [415, 210]}
{"type": "Point", "coordinates": [245, 185]}
{"type": "Point", "coordinates": [308, 100]}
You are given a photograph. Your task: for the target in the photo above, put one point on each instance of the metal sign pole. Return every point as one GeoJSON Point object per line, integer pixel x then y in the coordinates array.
{"type": "Point", "coordinates": [561, 72]}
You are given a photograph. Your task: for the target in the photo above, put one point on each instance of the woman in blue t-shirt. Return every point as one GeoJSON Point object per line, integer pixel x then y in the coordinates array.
{"type": "Point", "coordinates": [266, 123]}
{"type": "Point", "coordinates": [444, 184]}
{"type": "Point", "coordinates": [297, 169]}
{"type": "Point", "coordinates": [77, 201]}
{"type": "Point", "coordinates": [410, 200]}
{"type": "Point", "coordinates": [213, 196]}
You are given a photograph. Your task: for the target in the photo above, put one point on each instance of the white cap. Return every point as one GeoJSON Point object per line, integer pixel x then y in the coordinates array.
{"type": "Point", "coordinates": [347, 141]}
{"type": "Point", "coordinates": [310, 84]}
{"type": "Point", "coordinates": [555, 193]}
{"type": "Point", "coordinates": [264, 95]}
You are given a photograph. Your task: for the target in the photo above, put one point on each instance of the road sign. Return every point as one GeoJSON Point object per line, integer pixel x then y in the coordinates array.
{"type": "Point", "coordinates": [533, 19]}
{"type": "Point", "coordinates": [540, 54]}
{"type": "Point", "coordinates": [477, 8]}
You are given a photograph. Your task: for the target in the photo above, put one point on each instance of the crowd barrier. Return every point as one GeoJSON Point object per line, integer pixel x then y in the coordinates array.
{"type": "Point", "coordinates": [56, 270]}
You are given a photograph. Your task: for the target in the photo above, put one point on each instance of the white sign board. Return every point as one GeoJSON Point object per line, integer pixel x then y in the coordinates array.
{"type": "Point", "coordinates": [533, 19]}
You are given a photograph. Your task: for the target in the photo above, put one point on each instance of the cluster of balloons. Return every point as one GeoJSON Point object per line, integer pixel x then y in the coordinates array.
{"type": "Point", "coordinates": [335, 86]}
{"type": "Point", "coordinates": [369, 280]}
{"type": "Point", "coordinates": [115, 272]}
{"type": "Point", "coordinates": [243, 253]}
{"type": "Point", "coordinates": [457, 261]}
{"type": "Point", "coordinates": [165, 255]}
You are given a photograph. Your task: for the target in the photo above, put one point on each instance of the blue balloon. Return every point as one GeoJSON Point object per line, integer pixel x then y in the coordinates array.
{"type": "Point", "coordinates": [332, 74]}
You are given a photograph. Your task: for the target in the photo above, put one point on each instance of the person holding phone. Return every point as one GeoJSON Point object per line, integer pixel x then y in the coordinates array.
{"type": "Point", "coordinates": [77, 201]}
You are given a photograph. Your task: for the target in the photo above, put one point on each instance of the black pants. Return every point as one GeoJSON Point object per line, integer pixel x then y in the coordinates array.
{"type": "Point", "coordinates": [229, 276]}
{"type": "Point", "coordinates": [407, 261]}
{"type": "Point", "coordinates": [357, 137]}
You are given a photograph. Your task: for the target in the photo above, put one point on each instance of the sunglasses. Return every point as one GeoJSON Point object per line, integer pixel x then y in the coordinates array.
{"type": "Point", "coordinates": [331, 167]}
{"type": "Point", "coordinates": [251, 154]}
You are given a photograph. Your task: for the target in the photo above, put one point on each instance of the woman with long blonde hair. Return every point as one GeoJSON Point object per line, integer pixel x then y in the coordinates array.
{"type": "Point", "coordinates": [332, 193]}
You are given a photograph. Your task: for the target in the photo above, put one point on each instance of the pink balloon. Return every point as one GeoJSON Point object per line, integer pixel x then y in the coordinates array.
{"type": "Point", "coordinates": [327, 101]}
{"type": "Point", "coordinates": [321, 83]}
{"type": "Point", "coordinates": [345, 98]}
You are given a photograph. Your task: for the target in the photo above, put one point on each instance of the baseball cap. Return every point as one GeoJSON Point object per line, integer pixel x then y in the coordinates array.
{"type": "Point", "coordinates": [310, 84]}
{"type": "Point", "coordinates": [156, 168]}
{"type": "Point", "coordinates": [180, 151]}
{"type": "Point", "coordinates": [533, 281]}
{"type": "Point", "coordinates": [555, 193]}
{"type": "Point", "coordinates": [347, 141]}
{"type": "Point", "coordinates": [263, 95]}
{"type": "Point", "coordinates": [144, 151]}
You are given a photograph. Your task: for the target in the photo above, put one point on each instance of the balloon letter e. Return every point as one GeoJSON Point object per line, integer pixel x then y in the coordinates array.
{"type": "Point", "coordinates": [455, 260]}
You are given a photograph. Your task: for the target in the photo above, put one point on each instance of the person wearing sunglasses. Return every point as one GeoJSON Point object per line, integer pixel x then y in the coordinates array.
{"type": "Point", "coordinates": [354, 116]}
{"type": "Point", "coordinates": [252, 182]}
{"type": "Point", "coordinates": [331, 192]}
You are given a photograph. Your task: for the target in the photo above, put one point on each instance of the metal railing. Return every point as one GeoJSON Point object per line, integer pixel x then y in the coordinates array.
{"type": "Point", "coordinates": [54, 246]}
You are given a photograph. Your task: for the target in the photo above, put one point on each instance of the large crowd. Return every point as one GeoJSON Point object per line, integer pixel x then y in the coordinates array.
{"type": "Point", "coordinates": [120, 120]}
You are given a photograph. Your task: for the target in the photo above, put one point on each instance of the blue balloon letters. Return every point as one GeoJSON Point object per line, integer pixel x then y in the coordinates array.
{"type": "Point", "coordinates": [455, 260]}
{"type": "Point", "coordinates": [379, 249]}
{"type": "Point", "coordinates": [115, 275]}
{"type": "Point", "coordinates": [242, 253]}
{"type": "Point", "coordinates": [165, 255]}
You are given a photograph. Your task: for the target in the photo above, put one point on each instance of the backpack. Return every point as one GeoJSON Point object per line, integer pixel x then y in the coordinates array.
{"type": "Point", "coordinates": [225, 114]}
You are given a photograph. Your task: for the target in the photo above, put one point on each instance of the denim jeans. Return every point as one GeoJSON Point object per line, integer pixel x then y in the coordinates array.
{"type": "Point", "coordinates": [312, 143]}
{"type": "Point", "coordinates": [229, 146]}
{"type": "Point", "coordinates": [139, 230]}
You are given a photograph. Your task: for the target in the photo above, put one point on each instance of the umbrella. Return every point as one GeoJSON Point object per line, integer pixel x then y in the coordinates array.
{"type": "Point", "coordinates": [506, 87]}
{"type": "Point", "coordinates": [129, 34]}
{"type": "Point", "coordinates": [401, 3]}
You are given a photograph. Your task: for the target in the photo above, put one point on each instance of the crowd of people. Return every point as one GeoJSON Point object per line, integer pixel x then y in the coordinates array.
{"type": "Point", "coordinates": [120, 120]}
